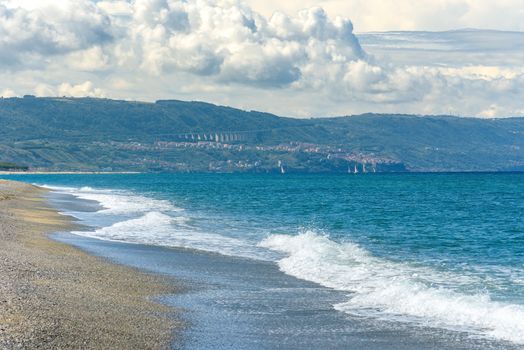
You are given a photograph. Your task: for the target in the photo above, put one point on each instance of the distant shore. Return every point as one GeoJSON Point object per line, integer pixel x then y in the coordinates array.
{"type": "Point", "coordinates": [66, 172]}
{"type": "Point", "coordinates": [53, 296]}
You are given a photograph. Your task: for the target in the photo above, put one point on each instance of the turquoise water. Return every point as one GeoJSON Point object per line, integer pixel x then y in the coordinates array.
{"type": "Point", "coordinates": [439, 250]}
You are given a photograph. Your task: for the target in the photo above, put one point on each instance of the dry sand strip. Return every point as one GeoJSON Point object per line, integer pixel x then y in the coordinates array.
{"type": "Point", "coordinates": [53, 296]}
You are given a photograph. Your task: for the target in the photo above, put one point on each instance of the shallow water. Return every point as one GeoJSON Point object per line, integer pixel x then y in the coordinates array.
{"type": "Point", "coordinates": [436, 257]}
{"type": "Point", "coordinates": [236, 303]}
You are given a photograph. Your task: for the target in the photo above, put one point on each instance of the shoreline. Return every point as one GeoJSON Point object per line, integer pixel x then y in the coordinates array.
{"type": "Point", "coordinates": [54, 295]}
{"type": "Point", "coordinates": [67, 172]}
{"type": "Point", "coordinates": [409, 172]}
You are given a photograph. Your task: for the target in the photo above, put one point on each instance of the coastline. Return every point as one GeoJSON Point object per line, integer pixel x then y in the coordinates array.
{"type": "Point", "coordinates": [55, 296]}
{"type": "Point", "coordinates": [228, 301]}
{"type": "Point", "coordinates": [67, 172]}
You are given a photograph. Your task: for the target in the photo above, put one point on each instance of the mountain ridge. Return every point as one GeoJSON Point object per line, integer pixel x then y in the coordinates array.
{"type": "Point", "coordinates": [172, 135]}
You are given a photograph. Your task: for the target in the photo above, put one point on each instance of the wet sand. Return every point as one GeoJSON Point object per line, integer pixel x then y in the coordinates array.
{"type": "Point", "coordinates": [54, 296]}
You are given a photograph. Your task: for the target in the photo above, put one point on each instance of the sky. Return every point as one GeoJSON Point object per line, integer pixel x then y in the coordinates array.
{"type": "Point", "coordinates": [293, 58]}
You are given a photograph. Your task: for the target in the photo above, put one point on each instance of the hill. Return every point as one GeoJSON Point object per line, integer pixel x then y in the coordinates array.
{"type": "Point", "coordinates": [101, 134]}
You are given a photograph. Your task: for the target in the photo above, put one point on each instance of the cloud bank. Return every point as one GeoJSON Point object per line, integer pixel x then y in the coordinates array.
{"type": "Point", "coordinates": [306, 64]}
{"type": "Point", "coordinates": [27, 34]}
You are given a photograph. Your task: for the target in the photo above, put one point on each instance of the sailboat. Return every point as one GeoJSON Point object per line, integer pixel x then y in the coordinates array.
{"type": "Point", "coordinates": [281, 166]}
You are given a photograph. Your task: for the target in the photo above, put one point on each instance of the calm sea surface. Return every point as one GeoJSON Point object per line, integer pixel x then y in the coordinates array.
{"type": "Point", "coordinates": [432, 250]}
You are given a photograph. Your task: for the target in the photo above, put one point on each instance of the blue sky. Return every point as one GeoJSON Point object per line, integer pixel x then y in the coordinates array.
{"type": "Point", "coordinates": [295, 58]}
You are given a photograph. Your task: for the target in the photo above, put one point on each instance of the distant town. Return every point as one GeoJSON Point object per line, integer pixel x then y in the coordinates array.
{"type": "Point", "coordinates": [240, 157]}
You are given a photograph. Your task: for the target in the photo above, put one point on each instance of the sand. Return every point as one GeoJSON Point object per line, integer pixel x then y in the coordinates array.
{"type": "Point", "coordinates": [53, 296]}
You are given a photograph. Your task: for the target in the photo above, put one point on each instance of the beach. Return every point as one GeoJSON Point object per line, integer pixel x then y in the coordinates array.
{"type": "Point", "coordinates": [55, 296]}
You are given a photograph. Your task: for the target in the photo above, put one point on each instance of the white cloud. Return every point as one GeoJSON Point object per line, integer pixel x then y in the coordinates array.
{"type": "Point", "coordinates": [229, 41]}
{"type": "Point", "coordinates": [304, 63]}
{"type": "Point", "coordinates": [7, 93]}
{"type": "Point", "coordinates": [44, 90]}
{"type": "Point", "coordinates": [116, 7]}
{"type": "Point", "coordinates": [80, 90]}
{"type": "Point", "coordinates": [92, 59]}
{"type": "Point", "coordinates": [44, 29]}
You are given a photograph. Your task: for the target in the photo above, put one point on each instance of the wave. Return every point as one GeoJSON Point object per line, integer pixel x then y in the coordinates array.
{"type": "Point", "coordinates": [118, 202]}
{"type": "Point", "coordinates": [132, 218]}
{"type": "Point", "coordinates": [156, 228]}
{"type": "Point", "coordinates": [381, 288]}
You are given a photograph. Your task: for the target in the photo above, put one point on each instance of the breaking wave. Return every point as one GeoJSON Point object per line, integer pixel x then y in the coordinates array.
{"type": "Point", "coordinates": [381, 288]}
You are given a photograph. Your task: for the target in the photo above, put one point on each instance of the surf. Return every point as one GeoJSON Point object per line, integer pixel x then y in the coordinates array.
{"type": "Point", "coordinates": [395, 291]}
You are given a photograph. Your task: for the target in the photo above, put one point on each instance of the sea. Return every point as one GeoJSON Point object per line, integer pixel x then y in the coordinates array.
{"type": "Point", "coordinates": [367, 261]}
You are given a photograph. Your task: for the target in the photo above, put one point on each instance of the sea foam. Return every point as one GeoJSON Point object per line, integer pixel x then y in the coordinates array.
{"type": "Point", "coordinates": [132, 218]}
{"type": "Point", "coordinates": [118, 202]}
{"type": "Point", "coordinates": [156, 228]}
{"type": "Point", "coordinates": [380, 288]}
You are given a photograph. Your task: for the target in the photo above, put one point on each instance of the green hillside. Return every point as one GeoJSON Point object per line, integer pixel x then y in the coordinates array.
{"type": "Point", "coordinates": [101, 134]}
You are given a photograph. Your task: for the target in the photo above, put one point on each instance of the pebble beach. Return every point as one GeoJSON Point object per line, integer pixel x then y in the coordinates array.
{"type": "Point", "coordinates": [54, 296]}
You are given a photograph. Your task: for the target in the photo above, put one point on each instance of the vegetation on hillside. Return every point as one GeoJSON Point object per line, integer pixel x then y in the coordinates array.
{"type": "Point", "coordinates": [12, 167]}
{"type": "Point", "coordinates": [101, 134]}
